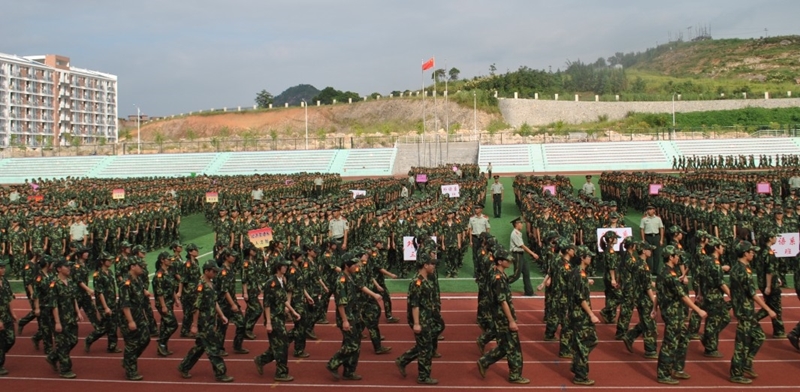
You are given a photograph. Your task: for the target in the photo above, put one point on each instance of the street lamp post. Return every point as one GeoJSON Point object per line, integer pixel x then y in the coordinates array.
{"type": "Point", "coordinates": [475, 114]}
{"type": "Point", "coordinates": [305, 105]}
{"type": "Point", "coordinates": [138, 130]}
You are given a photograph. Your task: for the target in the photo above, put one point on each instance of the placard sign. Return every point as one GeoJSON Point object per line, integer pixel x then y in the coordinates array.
{"type": "Point", "coordinates": [35, 198]}
{"type": "Point", "coordinates": [357, 192]}
{"type": "Point", "coordinates": [622, 232]}
{"type": "Point", "coordinates": [260, 238]}
{"type": "Point", "coordinates": [422, 178]}
{"type": "Point", "coordinates": [549, 188]}
{"type": "Point", "coordinates": [451, 190]}
{"type": "Point", "coordinates": [118, 194]}
{"type": "Point", "coordinates": [212, 197]}
{"type": "Point", "coordinates": [788, 245]}
{"type": "Point", "coordinates": [654, 188]}
{"type": "Point", "coordinates": [455, 168]}
{"type": "Point", "coordinates": [409, 251]}
{"type": "Point", "coordinates": [764, 187]}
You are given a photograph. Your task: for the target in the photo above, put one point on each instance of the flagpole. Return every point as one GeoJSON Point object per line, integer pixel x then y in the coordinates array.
{"type": "Point", "coordinates": [422, 79]}
{"type": "Point", "coordinates": [446, 115]}
{"type": "Point", "coordinates": [435, 107]}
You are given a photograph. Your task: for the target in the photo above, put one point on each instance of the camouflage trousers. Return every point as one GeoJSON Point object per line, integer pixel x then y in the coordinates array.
{"type": "Point", "coordinates": [253, 311]}
{"type": "Point", "coordinates": [385, 295]}
{"type": "Point", "coordinates": [557, 316]}
{"type": "Point", "coordinates": [136, 342]}
{"type": "Point", "coordinates": [25, 320]}
{"type": "Point", "coordinates": [582, 342]}
{"type": "Point", "coordinates": [301, 326]}
{"type": "Point", "coordinates": [187, 303]}
{"type": "Point", "coordinates": [45, 332]}
{"type": "Point", "coordinates": [451, 261]}
{"type": "Point", "coordinates": [627, 305]}
{"type": "Point", "coordinates": [718, 318]}
{"type": "Point", "coordinates": [507, 346]}
{"type": "Point", "coordinates": [237, 320]}
{"type": "Point", "coordinates": [278, 350]}
{"type": "Point", "coordinates": [484, 316]}
{"type": "Point", "coordinates": [208, 342]}
{"type": "Point", "coordinates": [85, 302]}
{"type": "Point", "coordinates": [421, 352]}
{"type": "Point", "coordinates": [749, 338]}
{"type": "Point", "coordinates": [64, 343]}
{"type": "Point", "coordinates": [773, 300]}
{"type": "Point", "coordinates": [324, 301]}
{"type": "Point", "coordinates": [672, 357]}
{"type": "Point", "coordinates": [613, 300]}
{"type": "Point", "coordinates": [348, 354]}
{"type": "Point", "coordinates": [107, 325]}
{"type": "Point", "coordinates": [169, 324]}
{"type": "Point", "coordinates": [371, 314]}
{"type": "Point", "coordinates": [7, 339]}
{"type": "Point", "coordinates": [646, 326]}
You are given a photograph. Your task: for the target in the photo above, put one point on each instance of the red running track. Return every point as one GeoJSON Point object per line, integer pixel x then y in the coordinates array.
{"type": "Point", "coordinates": [610, 364]}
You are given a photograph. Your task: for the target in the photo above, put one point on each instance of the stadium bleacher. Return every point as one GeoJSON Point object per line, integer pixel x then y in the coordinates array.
{"type": "Point", "coordinates": [368, 162]}
{"type": "Point", "coordinates": [605, 156]}
{"type": "Point", "coordinates": [16, 170]}
{"type": "Point", "coordinates": [761, 146]}
{"type": "Point", "coordinates": [506, 158]}
{"type": "Point", "coordinates": [277, 162]}
{"type": "Point", "coordinates": [156, 165]}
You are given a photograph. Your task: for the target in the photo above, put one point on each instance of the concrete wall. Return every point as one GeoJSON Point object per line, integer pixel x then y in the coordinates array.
{"type": "Point", "coordinates": [542, 112]}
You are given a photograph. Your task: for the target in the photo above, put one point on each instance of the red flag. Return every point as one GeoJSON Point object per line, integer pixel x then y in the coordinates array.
{"type": "Point", "coordinates": [427, 65]}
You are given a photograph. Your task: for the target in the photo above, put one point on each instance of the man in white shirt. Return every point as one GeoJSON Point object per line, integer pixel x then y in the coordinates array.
{"type": "Point", "coordinates": [497, 197]}
{"type": "Point", "coordinates": [588, 187]}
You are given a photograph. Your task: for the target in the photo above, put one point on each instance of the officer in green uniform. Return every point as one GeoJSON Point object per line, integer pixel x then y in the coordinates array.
{"type": "Point", "coordinates": [749, 335]}
{"type": "Point", "coordinates": [672, 300]}
{"type": "Point", "coordinates": [7, 319]}
{"type": "Point", "coordinates": [581, 318]}
{"type": "Point", "coordinates": [135, 331]}
{"type": "Point", "coordinates": [209, 341]}
{"type": "Point", "coordinates": [421, 305]}
{"type": "Point", "coordinates": [276, 307]}
{"type": "Point", "coordinates": [165, 289]}
{"type": "Point", "coordinates": [505, 319]}
{"type": "Point", "coordinates": [64, 304]}
{"type": "Point", "coordinates": [105, 294]}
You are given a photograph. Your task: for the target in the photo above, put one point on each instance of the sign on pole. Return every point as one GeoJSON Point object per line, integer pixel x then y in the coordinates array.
{"type": "Point", "coordinates": [549, 188]}
{"type": "Point", "coordinates": [357, 192]}
{"type": "Point", "coordinates": [422, 178]}
{"type": "Point", "coordinates": [409, 250]}
{"type": "Point", "coordinates": [451, 190]}
{"type": "Point", "coordinates": [654, 188]}
{"type": "Point", "coordinates": [788, 245]}
{"type": "Point", "coordinates": [260, 238]}
{"type": "Point", "coordinates": [212, 197]}
{"type": "Point", "coordinates": [764, 187]}
{"type": "Point", "coordinates": [622, 232]}
{"type": "Point", "coordinates": [118, 194]}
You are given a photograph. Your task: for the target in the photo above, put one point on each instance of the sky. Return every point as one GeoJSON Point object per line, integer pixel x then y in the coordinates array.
{"type": "Point", "coordinates": [177, 56]}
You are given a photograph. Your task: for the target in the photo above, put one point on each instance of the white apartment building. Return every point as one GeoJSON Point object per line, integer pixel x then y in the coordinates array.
{"type": "Point", "coordinates": [44, 101]}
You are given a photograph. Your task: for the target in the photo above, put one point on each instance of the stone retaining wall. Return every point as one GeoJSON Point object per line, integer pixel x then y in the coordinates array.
{"type": "Point", "coordinates": [542, 112]}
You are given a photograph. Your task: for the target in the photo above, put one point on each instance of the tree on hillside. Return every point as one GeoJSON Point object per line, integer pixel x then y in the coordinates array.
{"type": "Point", "coordinates": [264, 99]}
{"type": "Point", "coordinates": [454, 74]}
{"type": "Point", "coordinates": [438, 74]}
{"type": "Point", "coordinates": [328, 94]}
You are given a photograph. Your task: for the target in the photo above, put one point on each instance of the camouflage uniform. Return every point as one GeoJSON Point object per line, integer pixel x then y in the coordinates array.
{"type": "Point", "coordinates": [346, 296]}
{"type": "Point", "coordinates": [278, 351]}
{"type": "Point", "coordinates": [63, 297]}
{"type": "Point", "coordinates": [189, 273]}
{"type": "Point", "coordinates": [131, 296]}
{"type": "Point", "coordinates": [749, 335]}
{"type": "Point", "coordinates": [420, 296]}
{"type": "Point", "coordinates": [209, 340]}
{"type": "Point", "coordinates": [104, 284]}
{"type": "Point", "coordinates": [672, 357]}
{"type": "Point", "coordinates": [766, 263]}
{"type": "Point", "coordinates": [714, 304]}
{"type": "Point", "coordinates": [584, 334]}
{"type": "Point", "coordinates": [227, 285]}
{"type": "Point", "coordinates": [508, 344]}
{"type": "Point", "coordinates": [164, 286]}
{"type": "Point", "coordinates": [7, 337]}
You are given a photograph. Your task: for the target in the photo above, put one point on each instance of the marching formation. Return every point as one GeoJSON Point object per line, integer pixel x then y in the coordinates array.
{"type": "Point", "coordinates": [330, 246]}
